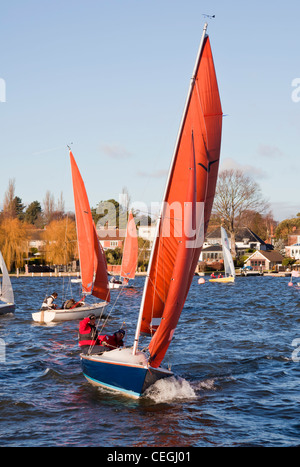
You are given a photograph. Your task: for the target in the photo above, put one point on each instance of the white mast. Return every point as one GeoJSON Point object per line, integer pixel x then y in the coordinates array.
{"type": "Point", "coordinates": [162, 209]}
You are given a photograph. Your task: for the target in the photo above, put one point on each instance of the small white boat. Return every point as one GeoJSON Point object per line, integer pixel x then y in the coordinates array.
{"type": "Point", "coordinates": [116, 285]}
{"type": "Point", "coordinates": [76, 281]}
{"type": "Point", "coordinates": [58, 315]}
{"type": "Point", "coordinates": [6, 290]}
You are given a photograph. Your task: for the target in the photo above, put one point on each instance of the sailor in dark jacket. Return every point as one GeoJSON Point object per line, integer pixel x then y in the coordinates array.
{"type": "Point", "coordinates": [91, 342]}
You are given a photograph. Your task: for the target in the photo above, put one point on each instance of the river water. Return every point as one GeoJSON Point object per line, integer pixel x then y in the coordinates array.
{"type": "Point", "coordinates": [237, 384]}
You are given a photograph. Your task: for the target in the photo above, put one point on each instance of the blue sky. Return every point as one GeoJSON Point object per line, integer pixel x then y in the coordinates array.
{"type": "Point", "coordinates": [111, 77]}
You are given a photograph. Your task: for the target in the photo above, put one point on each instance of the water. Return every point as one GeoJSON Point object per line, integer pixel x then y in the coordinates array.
{"type": "Point", "coordinates": [237, 383]}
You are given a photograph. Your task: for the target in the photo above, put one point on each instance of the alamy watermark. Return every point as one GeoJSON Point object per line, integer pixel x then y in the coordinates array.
{"type": "Point", "coordinates": [2, 351]}
{"type": "Point", "coordinates": [296, 92]}
{"type": "Point", "coordinates": [2, 90]}
{"type": "Point", "coordinates": [296, 343]}
{"type": "Point", "coordinates": [184, 221]}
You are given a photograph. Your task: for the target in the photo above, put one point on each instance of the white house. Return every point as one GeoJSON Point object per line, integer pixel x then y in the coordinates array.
{"type": "Point", "coordinates": [147, 232]}
{"type": "Point", "coordinates": [293, 251]}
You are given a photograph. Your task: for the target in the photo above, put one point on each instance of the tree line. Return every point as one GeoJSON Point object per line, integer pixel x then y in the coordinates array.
{"type": "Point", "coordinates": [238, 203]}
{"type": "Point", "coordinates": [19, 223]}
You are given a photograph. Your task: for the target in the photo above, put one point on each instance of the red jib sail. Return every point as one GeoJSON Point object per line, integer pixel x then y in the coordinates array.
{"type": "Point", "coordinates": [130, 250]}
{"type": "Point", "coordinates": [186, 208]}
{"type": "Point", "coordinates": [90, 254]}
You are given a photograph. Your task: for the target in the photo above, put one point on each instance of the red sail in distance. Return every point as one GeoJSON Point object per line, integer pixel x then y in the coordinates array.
{"type": "Point", "coordinates": [100, 287]}
{"type": "Point", "coordinates": [200, 133]}
{"type": "Point", "coordinates": [130, 250]}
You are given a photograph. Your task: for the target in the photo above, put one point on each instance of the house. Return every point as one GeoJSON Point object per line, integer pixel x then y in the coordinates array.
{"type": "Point", "coordinates": [245, 239]}
{"type": "Point", "coordinates": [36, 240]}
{"type": "Point", "coordinates": [147, 232]}
{"type": "Point", "coordinates": [293, 247]}
{"type": "Point", "coordinates": [293, 251]}
{"type": "Point", "coordinates": [294, 237]}
{"type": "Point", "coordinates": [211, 254]}
{"type": "Point", "coordinates": [111, 238]}
{"type": "Point", "coordinates": [264, 260]}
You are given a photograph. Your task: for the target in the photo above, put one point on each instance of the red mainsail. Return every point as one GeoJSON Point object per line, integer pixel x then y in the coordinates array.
{"type": "Point", "coordinates": [186, 208]}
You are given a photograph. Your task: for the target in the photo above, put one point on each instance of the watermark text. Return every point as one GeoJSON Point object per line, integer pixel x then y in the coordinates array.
{"type": "Point", "coordinates": [2, 90]}
{"type": "Point", "coordinates": [184, 221]}
{"type": "Point", "coordinates": [296, 92]}
{"type": "Point", "coordinates": [2, 351]}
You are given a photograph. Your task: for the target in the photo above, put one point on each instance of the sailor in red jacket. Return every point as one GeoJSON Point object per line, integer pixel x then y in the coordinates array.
{"type": "Point", "coordinates": [91, 342]}
{"type": "Point", "coordinates": [88, 334]}
{"type": "Point", "coordinates": [114, 341]}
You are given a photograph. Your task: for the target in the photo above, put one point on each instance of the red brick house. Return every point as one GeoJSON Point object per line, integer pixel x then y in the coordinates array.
{"type": "Point", "coordinates": [111, 238]}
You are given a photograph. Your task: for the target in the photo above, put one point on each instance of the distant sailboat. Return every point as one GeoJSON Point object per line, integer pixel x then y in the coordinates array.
{"type": "Point", "coordinates": [6, 290]}
{"type": "Point", "coordinates": [190, 190]}
{"type": "Point", "coordinates": [130, 256]}
{"type": "Point", "coordinates": [228, 261]}
{"type": "Point", "coordinates": [92, 262]}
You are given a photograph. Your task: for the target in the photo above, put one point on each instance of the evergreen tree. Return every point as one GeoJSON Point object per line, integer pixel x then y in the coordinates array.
{"type": "Point", "coordinates": [33, 213]}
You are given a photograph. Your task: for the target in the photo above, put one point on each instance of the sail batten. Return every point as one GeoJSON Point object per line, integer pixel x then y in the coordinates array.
{"type": "Point", "coordinates": [190, 189]}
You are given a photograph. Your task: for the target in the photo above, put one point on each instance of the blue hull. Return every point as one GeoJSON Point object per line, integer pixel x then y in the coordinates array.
{"type": "Point", "coordinates": [129, 379]}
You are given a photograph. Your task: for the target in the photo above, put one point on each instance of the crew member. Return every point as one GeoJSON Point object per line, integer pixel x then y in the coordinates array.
{"type": "Point", "coordinates": [48, 303]}
{"type": "Point", "coordinates": [114, 341]}
{"type": "Point", "coordinates": [91, 342]}
{"type": "Point", "coordinates": [88, 335]}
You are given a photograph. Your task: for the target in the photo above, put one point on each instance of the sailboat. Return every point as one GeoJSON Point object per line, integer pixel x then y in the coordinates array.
{"type": "Point", "coordinates": [6, 290]}
{"type": "Point", "coordinates": [92, 262]}
{"type": "Point", "coordinates": [228, 261]}
{"type": "Point", "coordinates": [130, 256]}
{"type": "Point", "coordinates": [182, 223]}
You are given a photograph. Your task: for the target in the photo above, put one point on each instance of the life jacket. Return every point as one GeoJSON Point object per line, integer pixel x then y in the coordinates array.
{"type": "Point", "coordinates": [48, 303]}
{"type": "Point", "coordinates": [110, 341]}
{"type": "Point", "coordinates": [88, 335]}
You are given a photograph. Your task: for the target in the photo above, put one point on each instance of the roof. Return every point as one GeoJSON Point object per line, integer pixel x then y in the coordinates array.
{"type": "Point", "coordinates": [111, 234]}
{"type": "Point", "coordinates": [247, 233]}
{"type": "Point", "coordinates": [273, 255]}
{"type": "Point", "coordinates": [240, 235]}
{"type": "Point", "coordinates": [212, 248]}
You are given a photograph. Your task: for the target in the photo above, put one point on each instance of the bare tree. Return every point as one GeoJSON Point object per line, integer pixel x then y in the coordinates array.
{"type": "Point", "coordinates": [48, 203]}
{"type": "Point", "coordinates": [9, 207]}
{"type": "Point", "coordinates": [235, 194]}
{"type": "Point", "coordinates": [60, 207]}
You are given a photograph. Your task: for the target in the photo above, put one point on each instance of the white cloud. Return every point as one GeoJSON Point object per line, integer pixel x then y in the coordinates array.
{"type": "Point", "coordinates": [266, 150]}
{"type": "Point", "coordinates": [255, 172]}
{"type": "Point", "coordinates": [115, 151]}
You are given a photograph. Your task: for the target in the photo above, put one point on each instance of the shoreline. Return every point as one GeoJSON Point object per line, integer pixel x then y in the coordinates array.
{"type": "Point", "coordinates": [75, 274]}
